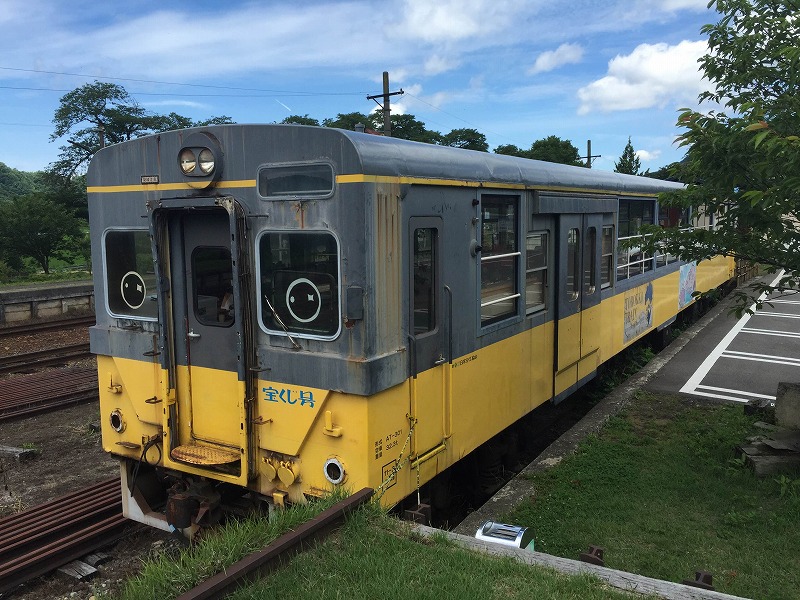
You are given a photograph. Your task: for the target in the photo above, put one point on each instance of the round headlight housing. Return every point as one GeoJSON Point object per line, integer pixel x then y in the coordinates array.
{"type": "Point", "coordinates": [187, 160]}
{"type": "Point", "coordinates": [206, 161]}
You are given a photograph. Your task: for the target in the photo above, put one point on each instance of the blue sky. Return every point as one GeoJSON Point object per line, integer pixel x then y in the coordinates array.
{"type": "Point", "coordinates": [516, 70]}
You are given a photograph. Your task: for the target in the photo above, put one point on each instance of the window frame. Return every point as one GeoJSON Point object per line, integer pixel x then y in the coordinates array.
{"type": "Point", "coordinates": [155, 300]}
{"type": "Point", "coordinates": [609, 256]}
{"type": "Point", "coordinates": [485, 325]}
{"type": "Point", "coordinates": [195, 304]}
{"type": "Point", "coordinates": [531, 309]}
{"type": "Point", "coordinates": [299, 194]}
{"type": "Point", "coordinates": [434, 285]}
{"type": "Point", "coordinates": [260, 291]}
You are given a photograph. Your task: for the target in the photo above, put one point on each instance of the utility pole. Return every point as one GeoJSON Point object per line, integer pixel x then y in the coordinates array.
{"type": "Point", "coordinates": [385, 107]}
{"type": "Point", "coordinates": [589, 155]}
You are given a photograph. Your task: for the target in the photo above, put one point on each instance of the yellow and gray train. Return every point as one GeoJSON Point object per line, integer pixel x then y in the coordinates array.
{"type": "Point", "coordinates": [284, 309]}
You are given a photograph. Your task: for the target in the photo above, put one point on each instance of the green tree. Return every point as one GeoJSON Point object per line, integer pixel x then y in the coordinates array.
{"type": "Point", "coordinates": [36, 227]}
{"type": "Point", "coordinates": [16, 183]}
{"type": "Point", "coordinates": [468, 139]}
{"type": "Point", "coordinates": [512, 150]}
{"type": "Point", "coordinates": [349, 121]}
{"type": "Point", "coordinates": [554, 149]}
{"type": "Point", "coordinates": [408, 127]}
{"type": "Point", "coordinates": [98, 114]}
{"type": "Point", "coordinates": [742, 162]}
{"type": "Point", "coordinates": [300, 120]}
{"type": "Point", "coordinates": [628, 163]}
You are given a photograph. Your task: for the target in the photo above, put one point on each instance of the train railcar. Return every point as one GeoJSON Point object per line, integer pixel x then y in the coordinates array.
{"type": "Point", "coordinates": [284, 309]}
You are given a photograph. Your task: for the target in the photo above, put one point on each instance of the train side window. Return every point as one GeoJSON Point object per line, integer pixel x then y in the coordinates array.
{"type": "Point", "coordinates": [632, 260]}
{"type": "Point", "coordinates": [212, 277]}
{"type": "Point", "coordinates": [299, 284]}
{"type": "Point", "coordinates": [284, 182]}
{"type": "Point", "coordinates": [607, 256]}
{"type": "Point", "coordinates": [500, 256]}
{"type": "Point", "coordinates": [573, 265]}
{"type": "Point", "coordinates": [130, 277]}
{"type": "Point", "coordinates": [425, 242]}
{"type": "Point", "coordinates": [536, 272]}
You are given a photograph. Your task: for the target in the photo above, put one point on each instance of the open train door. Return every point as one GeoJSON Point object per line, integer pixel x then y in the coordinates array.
{"type": "Point", "coordinates": [207, 424]}
{"type": "Point", "coordinates": [577, 307]}
{"type": "Point", "coordinates": [428, 333]}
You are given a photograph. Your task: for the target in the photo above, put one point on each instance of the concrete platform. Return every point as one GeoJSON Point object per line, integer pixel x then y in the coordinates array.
{"type": "Point", "coordinates": [44, 300]}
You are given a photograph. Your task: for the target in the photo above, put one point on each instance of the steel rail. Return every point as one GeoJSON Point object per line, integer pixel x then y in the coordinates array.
{"type": "Point", "coordinates": [39, 392]}
{"type": "Point", "coordinates": [25, 328]}
{"type": "Point", "coordinates": [45, 537]}
{"type": "Point", "coordinates": [293, 542]}
{"type": "Point", "coordinates": [42, 358]}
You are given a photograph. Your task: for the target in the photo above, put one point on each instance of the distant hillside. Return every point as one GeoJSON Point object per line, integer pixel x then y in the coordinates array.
{"type": "Point", "coordinates": [18, 183]}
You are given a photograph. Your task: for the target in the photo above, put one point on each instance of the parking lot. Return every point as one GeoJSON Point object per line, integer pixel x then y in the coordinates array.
{"type": "Point", "coordinates": [739, 360]}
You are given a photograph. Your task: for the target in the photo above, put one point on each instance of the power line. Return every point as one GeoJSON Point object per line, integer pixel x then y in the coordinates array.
{"type": "Point", "coordinates": [178, 95]}
{"type": "Point", "coordinates": [197, 85]}
{"type": "Point", "coordinates": [459, 118]}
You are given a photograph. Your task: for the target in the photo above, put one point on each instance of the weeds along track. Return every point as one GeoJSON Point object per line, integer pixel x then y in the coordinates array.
{"type": "Point", "coordinates": [43, 538]}
{"type": "Point", "coordinates": [28, 394]}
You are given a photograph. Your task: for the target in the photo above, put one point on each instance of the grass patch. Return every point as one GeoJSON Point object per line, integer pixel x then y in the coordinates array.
{"type": "Point", "coordinates": [374, 556]}
{"type": "Point", "coordinates": [371, 556]}
{"type": "Point", "coordinates": [659, 488]}
{"type": "Point", "coordinates": [174, 572]}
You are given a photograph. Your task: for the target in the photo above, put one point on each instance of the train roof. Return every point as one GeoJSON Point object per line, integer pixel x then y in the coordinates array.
{"type": "Point", "coordinates": [375, 155]}
{"type": "Point", "coordinates": [395, 157]}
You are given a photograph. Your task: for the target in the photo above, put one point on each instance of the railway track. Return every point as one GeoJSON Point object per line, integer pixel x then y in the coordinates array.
{"type": "Point", "coordinates": [25, 327]}
{"type": "Point", "coordinates": [43, 538]}
{"type": "Point", "coordinates": [29, 361]}
{"type": "Point", "coordinates": [30, 394]}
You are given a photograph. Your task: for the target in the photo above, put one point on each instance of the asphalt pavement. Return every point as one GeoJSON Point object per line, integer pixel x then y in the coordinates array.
{"type": "Point", "coordinates": [738, 360]}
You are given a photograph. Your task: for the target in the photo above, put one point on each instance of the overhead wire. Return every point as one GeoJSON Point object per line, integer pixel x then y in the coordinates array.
{"type": "Point", "coordinates": [153, 81]}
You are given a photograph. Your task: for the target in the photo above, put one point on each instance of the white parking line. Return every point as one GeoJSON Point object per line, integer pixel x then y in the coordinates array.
{"type": "Point", "coordinates": [729, 391]}
{"type": "Point", "coordinates": [769, 358]}
{"type": "Point", "coordinates": [776, 314]}
{"type": "Point", "coordinates": [770, 332]}
{"type": "Point", "coordinates": [694, 384]}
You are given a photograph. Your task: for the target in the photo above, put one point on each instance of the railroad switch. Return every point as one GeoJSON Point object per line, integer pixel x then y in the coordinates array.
{"type": "Point", "coordinates": [702, 579]}
{"type": "Point", "coordinates": [420, 514]}
{"type": "Point", "coordinates": [594, 556]}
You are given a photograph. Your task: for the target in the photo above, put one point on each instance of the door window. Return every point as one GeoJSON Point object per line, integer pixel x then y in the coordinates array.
{"type": "Point", "coordinates": [589, 267]}
{"type": "Point", "coordinates": [424, 284]}
{"type": "Point", "coordinates": [536, 272]}
{"type": "Point", "coordinates": [573, 264]}
{"type": "Point", "coordinates": [212, 276]}
{"type": "Point", "coordinates": [607, 256]}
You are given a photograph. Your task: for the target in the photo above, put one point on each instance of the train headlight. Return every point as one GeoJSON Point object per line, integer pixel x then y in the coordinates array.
{"type": "Point", "coordinates": [187, 160]}
{"type": "Point", "coordinates": [334, 471]}
{"type": "Point", "coordinates": [206, 159]}
{"type": "Point", "coordinates": [200, 160]}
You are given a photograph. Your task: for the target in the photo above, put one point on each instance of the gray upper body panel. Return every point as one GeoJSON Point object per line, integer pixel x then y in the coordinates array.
{"type": "Point", "coordinates": [363, 358]}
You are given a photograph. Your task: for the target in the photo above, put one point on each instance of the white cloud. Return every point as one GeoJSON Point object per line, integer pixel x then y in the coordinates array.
{"type": "Point", "coordinates": [647, 155]}
{"type": "Point", "coordinates": [183, 103]}
{"type": "Point", "coordinates": [455, 20]}
{"type": "Point", "coordinates": [435, 65]}
{"type": "Point", "coordinates": [653, 75]}
{"type": "Point", "coordinates": [565, 54]}
{"type": "Point", "coordinates": [674, 5]}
